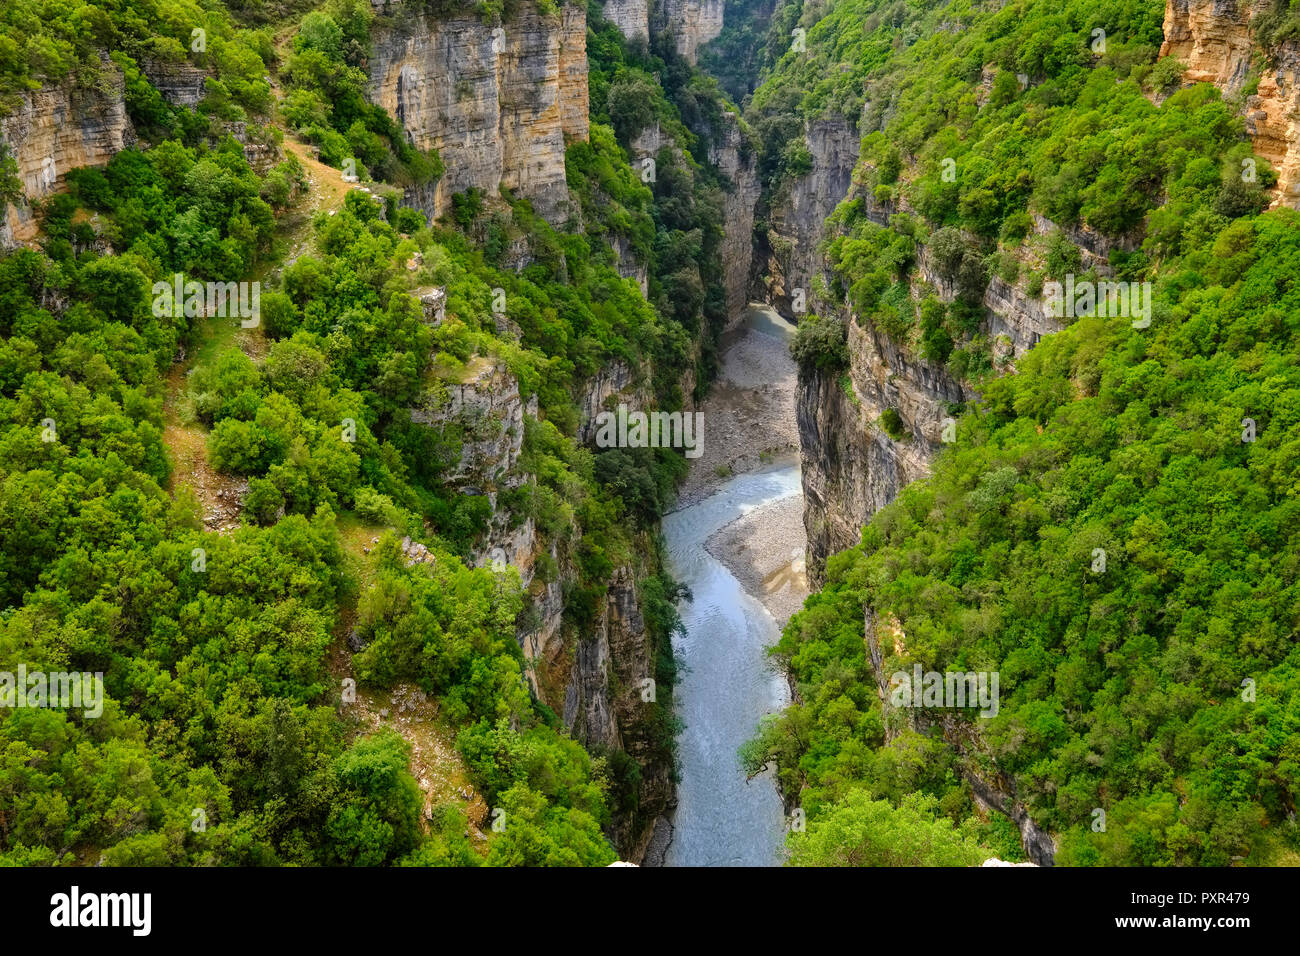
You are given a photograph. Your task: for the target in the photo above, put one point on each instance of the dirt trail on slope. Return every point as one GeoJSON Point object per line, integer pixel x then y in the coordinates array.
{"type": "Point", "coordinates": [220, 495]}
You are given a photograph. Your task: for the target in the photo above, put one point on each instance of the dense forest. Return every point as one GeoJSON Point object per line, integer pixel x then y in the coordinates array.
{"type": "Point", "coordinates": [268, 540]}
{"type": "Point", "coordinates": [220, 650]}
{"type": "Point", "coordinates": [1114, 528]}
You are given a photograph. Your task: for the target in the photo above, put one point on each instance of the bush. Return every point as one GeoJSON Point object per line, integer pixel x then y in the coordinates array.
{"type": "Point", "coordinates": [892, 423]}
{"type": "Point", "coordinates": [375, 508]}
{"type": "Point", "coordinates": [820, 345]}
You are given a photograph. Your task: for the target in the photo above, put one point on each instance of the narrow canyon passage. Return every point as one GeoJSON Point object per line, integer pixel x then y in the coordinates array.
{"type": "Point", "coordinates": [738, 545]}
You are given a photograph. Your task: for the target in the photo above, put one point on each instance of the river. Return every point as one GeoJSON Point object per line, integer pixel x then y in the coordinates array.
{"type": "Point", "coordinates": [728, 682]}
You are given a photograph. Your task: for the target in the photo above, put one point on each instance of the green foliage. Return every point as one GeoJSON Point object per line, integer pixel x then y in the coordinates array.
{"type": "Point", "coordinates": [860, 831]}
{"type": "Point", "coordinates": [821, 344]}
{"type": "Point", "coordinates": [1082, 145]}
{"type": "Point", "coordinates": [218, 693]}
{"type": "Point", "coordinates": [1121, 684]}
{"type": "Point", "coordinates": [633, 87]}
{"type": "Point", "coordinates": [194, 211]}
{"type": "Point", "coordinates": [893, 425]}
{"type": "Point", "coordinates": [326, 99]}
{"type": "Point", "coordinates": [43, 43]}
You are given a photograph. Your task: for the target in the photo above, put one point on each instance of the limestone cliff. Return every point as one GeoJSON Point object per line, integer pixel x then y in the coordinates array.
{"type": "Point", "coordinates": [1213, 39]}
{"type": "Point", "coordinates": [885, 647]}
{"type": "Point", "coordinates": [800, 208]}
{"type": "Point", "coordinates": [591, 676]}
{"type": "Point", "coordinates": [691, 23]}
{"type": "Point", "coordinates": [57, 129]}
{"type": "Point", "coordinates": [735, 160]}
{"type": "Point", "coordinates": [498, 101]}
{"type": "Point", "coordinates": [632, 17]}
{"type": "Point", "coordinates": [688, 23]}
{"type": "Point", "coordinates": [851, 467]}
{"type": "Point", "coordinates": [180, 82]}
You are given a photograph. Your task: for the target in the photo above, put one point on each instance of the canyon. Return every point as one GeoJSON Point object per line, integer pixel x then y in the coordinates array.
{"type": "Point", "coordinates": [501, 102]}
{"type": "Point", "coordinates": [851, 466]}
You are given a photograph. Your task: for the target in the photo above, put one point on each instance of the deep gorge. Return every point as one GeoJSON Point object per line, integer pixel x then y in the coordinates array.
{"type": "Point", "coordinates": [479, 229]}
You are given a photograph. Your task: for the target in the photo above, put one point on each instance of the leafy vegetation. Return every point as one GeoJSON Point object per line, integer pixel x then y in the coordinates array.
{"type": "Point", "coordinates": [222, 688]}
{"type": "Point", "coordinates": [1114, 530]}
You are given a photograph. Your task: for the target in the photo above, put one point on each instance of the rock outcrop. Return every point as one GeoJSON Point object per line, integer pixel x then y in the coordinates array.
{"type": "Point", "coordinates": [606, 706]}
{"type": "Point", "coordinates": [691, 23]}
{"type": "Point", "coordinates": [734, 158]}
{"type": "Point", "coordinates": [851, 467]}
{"type": "Point", "coordinates": [488, 409]}
{"type": "Point", "coordinates": [56, 129]}
{"type": "Point", "coordinates": [180, 82]}
{"type": "Point", "coordinates": [498, 101]}
{"type": "Point", "coordinates": [591, 676]}
{"type": "Point", "coordinates": [632, 17]}
{"type": "Point", "coordinates": [991, 788]}
{"type": "Point", "coordinates": [799, 212]}
{"type": "Point", "coordinates": [1213, 39]}
{"type": "Point", "coordinates": [618, 380]}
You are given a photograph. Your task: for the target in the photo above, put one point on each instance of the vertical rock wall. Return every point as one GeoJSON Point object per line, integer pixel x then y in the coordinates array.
{"type": "Point", "coordinates": [57, 129]}
{"type": "Point", "coordinates": [498, 101]}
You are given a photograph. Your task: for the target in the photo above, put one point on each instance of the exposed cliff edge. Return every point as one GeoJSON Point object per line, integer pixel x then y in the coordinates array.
{"type": "Point", "coordinates": [689, 23]}
{"type": "Point", "coordinates": [498, 101]}
{"type": "Point", "coordinates": [800, 209]}
{"type": "Point", "coordinates": [1214, 39]}
{"type": "Point", "coordinates": [592, 677]}
{"type": "Point", "coordinates": [734, 157]}
{"type": "Point", "coordinates": [57, 129]}
{"type": "Point", "coordinates": [990, 787]}
{"type": "Point", "coordinates": [851, 467]}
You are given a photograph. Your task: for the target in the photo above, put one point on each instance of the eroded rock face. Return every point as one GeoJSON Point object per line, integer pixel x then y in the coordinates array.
{"type": "Point", "coordinates": [1273, 122]}
{"type": "Point", "coordinates": [691, 23]}
{"type": "Point", "coordinates": [851, 468]}
{"type": "Point", "coordinates": [617, 381]}
{"type": "Point", "coordinates": [488, 407]}
{"type": "Point", "coordinates": [629, 265]}
{"type": "Point", "coordinates": [799, 214]}
{"type": "Point", "coordinates": [57, 129]}
{"type": "Point", "coordinates": [1213, 38]}
{"type": "Point", "coordinates": [499, 102]}
{"type": "Point", "coordinates": [737, 163]}
{"type": "Point", "coordinates": [180, 82]}
{"type": "Point", "coordinates": [592, 677]}
{"type": "Point", "coordinates": [632, 17]}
